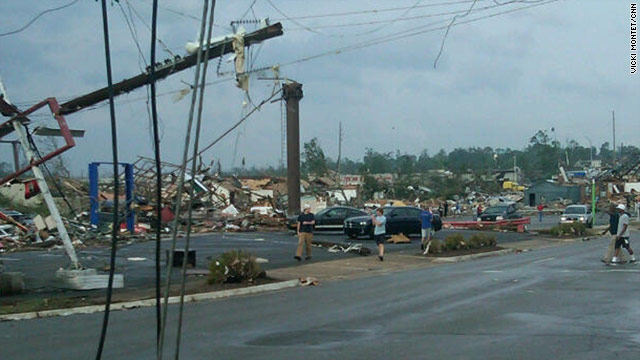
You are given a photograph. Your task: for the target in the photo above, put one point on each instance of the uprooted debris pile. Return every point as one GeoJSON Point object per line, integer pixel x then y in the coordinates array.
{"type": "Point", "coordinates": [350, 248]}
{"type": "Point", "coordinates": [217, 204]}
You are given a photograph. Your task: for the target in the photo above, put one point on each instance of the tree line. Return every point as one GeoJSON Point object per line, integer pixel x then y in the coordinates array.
{"type": "Point", "coordinates": [540, 159]}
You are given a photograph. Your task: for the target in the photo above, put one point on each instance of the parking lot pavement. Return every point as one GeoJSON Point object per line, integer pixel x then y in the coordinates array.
{"type": "Point", "coordinates": [136, 261]}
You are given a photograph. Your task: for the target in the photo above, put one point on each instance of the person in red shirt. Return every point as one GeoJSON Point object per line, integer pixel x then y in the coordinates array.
{"type": "Point", "coordinates": [540, 208]}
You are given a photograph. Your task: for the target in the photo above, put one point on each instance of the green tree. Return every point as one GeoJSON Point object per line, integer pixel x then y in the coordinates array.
{"type": "Point", "coordinates": [314, 160]}
{"type": "Point", "coordinates": [370, 186]}
{"type": "Point", "coordinates": [377, 163]}
{"type": "Point", "coordinates": [405, 164]}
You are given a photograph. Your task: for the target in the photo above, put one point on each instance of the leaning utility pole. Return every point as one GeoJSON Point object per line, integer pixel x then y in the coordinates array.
{"type": "Point", "coordinates": [292, 93]}
{"type": "Point", "coordinates": [169, 67]}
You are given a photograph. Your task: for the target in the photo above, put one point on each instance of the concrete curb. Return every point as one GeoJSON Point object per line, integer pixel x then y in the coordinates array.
{"type": "Point", "coordinates": [152, 302]}
{"type": "Point", "coordinates": [456, 259]}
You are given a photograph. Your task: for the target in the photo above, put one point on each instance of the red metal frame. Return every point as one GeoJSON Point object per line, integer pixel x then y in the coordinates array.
{"type": "Point", "coordinates": [485, 224]}
{"type": "Point", "coordinates": [64, 130]}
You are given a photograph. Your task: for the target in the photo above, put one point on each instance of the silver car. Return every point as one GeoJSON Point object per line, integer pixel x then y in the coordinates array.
{"type": "Point", "coordinates": [577, 213]}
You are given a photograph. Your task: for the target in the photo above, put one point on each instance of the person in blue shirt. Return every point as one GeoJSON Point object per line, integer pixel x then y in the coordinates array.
{"type": "Point", "coordinates": [379, 221]}
{"type": "Point", "coordinates": [425, 218]}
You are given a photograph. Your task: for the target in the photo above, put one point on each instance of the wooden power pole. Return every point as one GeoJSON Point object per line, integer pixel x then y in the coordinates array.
{"type": "Point", "coordinates": [292, 94]}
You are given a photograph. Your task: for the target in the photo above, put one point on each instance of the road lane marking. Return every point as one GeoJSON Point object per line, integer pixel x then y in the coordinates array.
{"type": "Point", "coordinates": [619, 270]}
{"type": "Point", "coordinates": [544, 260]}
{"type": "Point", "coordinates": [492, 271]}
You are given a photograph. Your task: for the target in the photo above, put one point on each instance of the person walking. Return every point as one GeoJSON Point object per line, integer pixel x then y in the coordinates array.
{"type": "Point", "coordinates": [540, 208]}
{"type": "Point", "coordinates": [425, 218]}
{"type": "Point", "coordinates": [446, 208]}
{"type": "Point", "coordinates": [622, 236]}
{"type": "Point", "coordinates": [306, 221]}
{"type": "Point", "coordinates": [479, 211]}
{"type": "Point", "coordinates": [379, 220]}
{"type": "Point", "coordinates": [612, 230]}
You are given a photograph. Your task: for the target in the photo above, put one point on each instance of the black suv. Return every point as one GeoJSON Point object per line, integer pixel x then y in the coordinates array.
{"type": "Point", "coordinates": [500, 212]}
{"type": "Point", "coordinates": [402, 219]}
{"type": "Point", "coordinates": [329, 219]}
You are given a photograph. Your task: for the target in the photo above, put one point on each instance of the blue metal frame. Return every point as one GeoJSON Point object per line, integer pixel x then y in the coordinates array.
{"type": "Point", "coordinates": [93, 193]}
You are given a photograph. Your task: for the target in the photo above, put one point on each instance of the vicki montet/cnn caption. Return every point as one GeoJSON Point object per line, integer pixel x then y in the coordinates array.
{"type": "Point", "coordinates": [633, 38]}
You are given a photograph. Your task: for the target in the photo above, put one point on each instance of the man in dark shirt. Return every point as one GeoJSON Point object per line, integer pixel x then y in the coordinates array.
{"type": "Point", "coordinates": [614, 216]}
{"type": "Point", "coordinates": [306, 221]}
{"type": "Point", "coordinates": [613, 221]}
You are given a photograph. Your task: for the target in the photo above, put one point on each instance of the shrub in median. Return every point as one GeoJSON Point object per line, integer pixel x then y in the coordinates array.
{"type": "Point", "coordinates": [233, 267]}
{"type": "Point", "coordinates": [454, 242]}
{"type": "Point", "coordinates": [435, 247]}
{"type": "Point", "coordinates": [477, 241]}
{"type": "Point", "coordinates": [570, 229]}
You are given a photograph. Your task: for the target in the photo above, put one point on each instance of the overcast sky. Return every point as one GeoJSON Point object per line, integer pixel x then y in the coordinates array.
{"type": "Point", "coordinates": [562, 65]}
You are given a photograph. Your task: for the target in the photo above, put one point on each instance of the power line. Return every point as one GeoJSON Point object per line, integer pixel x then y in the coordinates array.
{"type": "Point", "coordinates": [293, 20]}
{"type": "Point", "coordinates": [444, 38]}
{"type": "Point", "coordinates": [178, 202]}
{"type": "Point", "coordinates": [164, 46]}
{"type": "Point", "coordinates": [398, 19]}
{"type": "Point", "coordinates": [393, 21]}
{"type": "Point", "coordinates": [386, 22]}
{"type": "Point", "coordinates": [37, 17]}
{"type": "Point", "coordinates": [372, 11]}
{"type": "Point", "coordinates": [409, 33]}
{"type": "Point", "coordinates": [134, 34]}
{"type": "Point", "coordinates": [192, 186]}
{"type": "Point", "coordinates": [158, 162]}
{"type": "Point", "coordinates": [116, 187]}
{"type": "Point", "coordinates": [250, 8]}
{"type": "Point", "coordinates": [185, 15]}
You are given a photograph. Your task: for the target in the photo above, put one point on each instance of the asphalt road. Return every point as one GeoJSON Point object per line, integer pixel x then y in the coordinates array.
{"type": "Point", "coordinates": [554, 303]}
